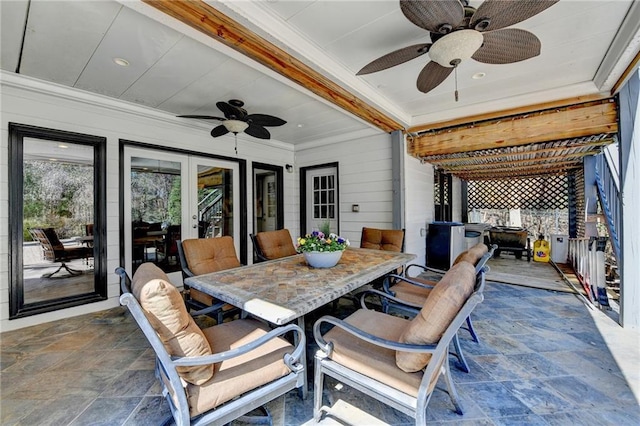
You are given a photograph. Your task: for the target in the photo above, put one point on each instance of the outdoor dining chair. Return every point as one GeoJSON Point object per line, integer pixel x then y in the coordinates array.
{"type": "Point", "coordinates": [396, 360]}
{"type": "Point", "coordinates": [413, 291]}
{"type": "Point", "coordinates": [269, 245]}
{"type": "Point", "coordinates": [202, 256]}
{"type": "Point", "coordinates": [212, 375]}
{"type": "Point", "coordinates": [54, 251]}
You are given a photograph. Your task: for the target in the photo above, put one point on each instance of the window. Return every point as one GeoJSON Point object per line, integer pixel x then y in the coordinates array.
{"type": "Point", "coordinates": [57, 199]}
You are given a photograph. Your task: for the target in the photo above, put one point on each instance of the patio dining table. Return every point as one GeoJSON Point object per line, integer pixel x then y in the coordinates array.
{"type": "Point", "coordinates": [284, 290]}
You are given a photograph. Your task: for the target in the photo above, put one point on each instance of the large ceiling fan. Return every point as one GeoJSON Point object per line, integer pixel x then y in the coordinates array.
{"type": "Point", "coordinates": [237, 120]}
{"type": "Point", "coordinates": [459, 32]}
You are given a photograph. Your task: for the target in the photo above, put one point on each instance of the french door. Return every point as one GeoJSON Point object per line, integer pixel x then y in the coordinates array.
{"type": "Point", "coordinates": [172, 196]}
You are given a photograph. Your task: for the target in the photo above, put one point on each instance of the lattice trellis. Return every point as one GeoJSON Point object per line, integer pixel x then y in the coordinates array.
{"type": "Point", "coordinates": [548, 192]}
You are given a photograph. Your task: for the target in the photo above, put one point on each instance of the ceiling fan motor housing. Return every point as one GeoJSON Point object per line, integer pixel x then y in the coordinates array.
{"type": "Point", "coordinates": [455, 47]}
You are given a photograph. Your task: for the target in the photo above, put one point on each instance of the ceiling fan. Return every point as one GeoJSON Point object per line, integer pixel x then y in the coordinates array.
{"type": "Point", "coordinates": [459, 32]}
{"type": "Point", "coordinates": [237, 120]}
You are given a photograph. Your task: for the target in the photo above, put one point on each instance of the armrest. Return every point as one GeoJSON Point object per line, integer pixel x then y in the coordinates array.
{"type": "Point", "coordinates": [292, 360]}
{"type": "Point", "coordinates": [383, 295]}
{"type": "Point", "coordinates": [387, 288]}
{"type": "Point", "coordinates": [208, 309]}
{"type": "Point", "coordinates": [424, 268]}
{"type": "Point", "coordinates": [389, 344]}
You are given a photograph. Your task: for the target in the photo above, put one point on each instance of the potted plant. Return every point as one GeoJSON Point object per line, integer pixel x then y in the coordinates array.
{"type": "Point", "coordinates": [321, 251]}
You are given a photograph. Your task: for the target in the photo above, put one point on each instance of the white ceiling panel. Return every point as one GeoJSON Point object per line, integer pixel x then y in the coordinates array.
{"type": "Point", "coordinates": [13, 14]}
{"type": "Point", "coordinates": [133, 37]}
{"type": "Point", "coordinates": [62, 36]}
{"type": "Point", "coordinates": [186, 62]}
{"type": "Point", "coordinates": [353, 15]}
{"type": "Point", "coordinates": [74, 43]}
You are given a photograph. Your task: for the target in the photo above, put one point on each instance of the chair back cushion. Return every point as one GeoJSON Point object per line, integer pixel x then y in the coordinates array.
{"type": "Point", "coordinates": [165, 309]}
{"type": "Point", "coordinates": [275, 244]}
{"type": "Point", "coordinates": [206, 255]}
{"type": "Point", "coordinates": [473, 255]}
{"type": "Point", "coordinates": [443, 304]}
{"type": "Point", "coordinates": [382, 239]}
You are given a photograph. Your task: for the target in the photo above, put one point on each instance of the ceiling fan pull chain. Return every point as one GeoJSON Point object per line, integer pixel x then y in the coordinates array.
{"type": "Point", "coordinates": [236, 137]}
{"type": "Point", "coordinates": [455, 70]}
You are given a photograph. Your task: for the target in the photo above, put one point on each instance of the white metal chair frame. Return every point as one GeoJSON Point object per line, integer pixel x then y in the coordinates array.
{"type": "Point", "coordinates": [412, 406]}
{"type": "Point", "coordinates": [171, 382]}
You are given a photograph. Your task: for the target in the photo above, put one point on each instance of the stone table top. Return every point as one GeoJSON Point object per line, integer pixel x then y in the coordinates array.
{"type": "Point", "coordinates": [282, 290]}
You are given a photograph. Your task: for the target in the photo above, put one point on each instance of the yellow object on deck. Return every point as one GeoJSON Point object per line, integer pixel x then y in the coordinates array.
{"type": "Point", "coordinates": [541, 251]}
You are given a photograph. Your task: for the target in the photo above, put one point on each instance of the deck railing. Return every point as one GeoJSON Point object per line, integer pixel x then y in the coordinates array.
{"type": "Point", "coordinates": [587, 257]}
{"type": "Point", "coordinates": [609, 192]}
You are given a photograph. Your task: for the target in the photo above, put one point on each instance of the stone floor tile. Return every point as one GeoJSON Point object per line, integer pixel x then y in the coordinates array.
{"type": "Point", "coordinates": [107, 412]}
{"type": "Point", "coordinates": [151, 411]}
{"type": "Point", "coordinates": [495, 400]}
{"type": "Point", "coordinates": [535, 395]}
{"type": "Point", "coordinates": [60, 411]}
{"type": "Point", "coordinates": [536, 365]}
{"type": "Point", "coordinates": [130, 383]}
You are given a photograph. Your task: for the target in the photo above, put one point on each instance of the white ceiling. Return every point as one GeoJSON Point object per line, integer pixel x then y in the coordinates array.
{"type": "Point", "coordinates": [174, 68]}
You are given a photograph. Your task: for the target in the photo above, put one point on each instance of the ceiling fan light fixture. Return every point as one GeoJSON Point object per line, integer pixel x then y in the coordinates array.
{"type": "Point", "coordinates": [235, 126]}
{"type": "Point", "coordinates": [458, 45]}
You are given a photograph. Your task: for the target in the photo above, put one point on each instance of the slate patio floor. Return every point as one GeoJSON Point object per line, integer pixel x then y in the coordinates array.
{"type": "Point", "coordinates": [544, 359]}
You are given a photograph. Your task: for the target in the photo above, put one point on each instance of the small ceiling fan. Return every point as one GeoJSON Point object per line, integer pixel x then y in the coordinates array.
{"type": "Point", "coordinates": [459, 32]}
{"type": "Point", "coordinates": [237, 120]}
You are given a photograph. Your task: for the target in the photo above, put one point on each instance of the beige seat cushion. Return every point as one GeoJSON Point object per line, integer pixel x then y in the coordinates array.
{"type": "Point", "coordinates": [206, 255]}
{"type": "Point", "coordinates": [382, 239]}
{"type": "Point", "coordinates": [165, 309]}
{"type": "Point", "coordinates": [275, 244]}
{"type": "Point", "coordinates": [472, 255]}
{"type": "Point", "coordinates": [412, 293]}
{"type": "Point", "coordinates": [442, 305]}
{"type": "Point", "coordinates": [242, 374]}
{"type": "Point", "coordinates": [369, 359]}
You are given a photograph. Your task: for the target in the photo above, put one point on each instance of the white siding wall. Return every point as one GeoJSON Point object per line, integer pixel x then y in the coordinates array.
{"type": "Point", "coordinates": [630, 291]}
{"type": "Point", "coordinates": [419, 208]}
{"type": "Point", "coordinates": [364, 179]}
{"type": "Point", "coordinates": [33, 102]}
{"type": "Point", "coordinates": [456, 199]}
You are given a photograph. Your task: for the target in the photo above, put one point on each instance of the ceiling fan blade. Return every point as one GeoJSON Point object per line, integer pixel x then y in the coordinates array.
{"type": "Point", "coordinates": [265, 120]}
{"type": "Point", "coordinates": [394, 58]}
{"type": "Point", "coordinates": [257, 131]}
{"type": "Point", "coordinates": [507, 46]}
{"type": "Point", "coordinates": [230, 112]}
{"type": "Point", "coordinates": [495, 14]}
{"type": "Point", "coordinates": [202, 117]}
{"type": "Point", "coordinates": [431, 76]}
{"type": "Point", "coordinates": [433, 15]}
{"type": "Point", "coordinates": [219, 131]}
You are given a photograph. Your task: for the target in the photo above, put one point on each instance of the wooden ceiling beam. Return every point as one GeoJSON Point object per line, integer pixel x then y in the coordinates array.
{"type": "Point", "coordinates": [545, 126]}
{"type": "Point", "coordinates": [208, 20]}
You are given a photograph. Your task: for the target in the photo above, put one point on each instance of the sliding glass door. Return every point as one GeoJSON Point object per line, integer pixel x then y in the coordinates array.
{"type": "Point", "coordinates": [172, 196]}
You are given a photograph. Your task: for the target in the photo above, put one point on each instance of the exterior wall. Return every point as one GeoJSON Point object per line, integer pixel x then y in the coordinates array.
{"type": "Point", "coordinates": [37, 103]}
{"type": "Point", "coordinates": [419, 207]}
{"type": "Point", "coordinates": [630, 202]}
{"type": "Point", "coordinates": [364, 178]}
{"type": "Point", "coordinates": [456, 199]}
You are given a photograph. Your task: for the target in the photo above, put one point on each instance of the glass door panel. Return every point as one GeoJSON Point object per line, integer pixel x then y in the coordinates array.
{"type": "Point", "coordinates": [215, 209]}
{"type": "Point", "coordinates": [172, 197]}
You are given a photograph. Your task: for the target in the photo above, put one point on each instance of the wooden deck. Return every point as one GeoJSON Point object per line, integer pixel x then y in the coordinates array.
{"type": "Point", "coordinates": [509, 270]}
